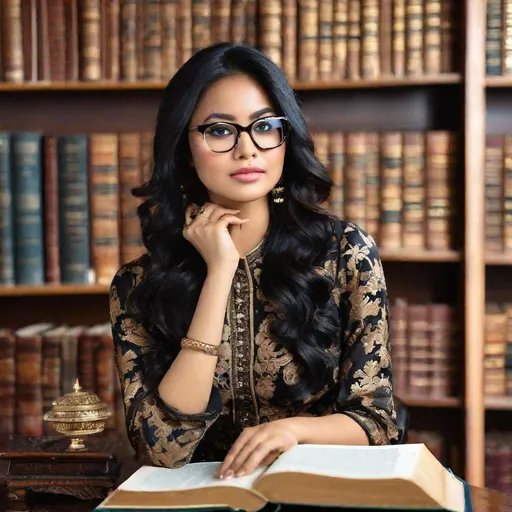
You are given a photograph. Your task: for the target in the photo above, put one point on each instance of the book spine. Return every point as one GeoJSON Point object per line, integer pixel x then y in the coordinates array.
{"type": "Point", "coordinates": [493, 46]}
{"type": "Point", "coordinates": [391, 190]}
{"type": "Point", "coordinates": [128, 35]}
{"type": "Point", "coordinates": [414, 190]}
{"type": "Point", "coordinates": [169, 19]}
{"type": "Point", "coordinates": [325, 39]}
{"type": "Point", "coordinates": [104, 205]}
{"type": "Point", "coordinates": [90, 36]}
{"type": "Point", "coordinates": [7, 276]}
{"type": "Point", "coordinates": [129, 177]}
{"type": "Point", "coordinates": [399, 37]}
{"type": "Point", "coordinates": [13, 37]}
{"type": "Point", "coordinates": [507, 194]}
{"type": "Point", "coordinates": [51, 210]}
{"type": "Point", "coordinates": [73, 209]}
{"type": "Point", "coordinates": [432, 37]}
{"type": "Point", "coordinates": [340, 40]}
{"type": "Point", "coordinates": [289, 36]}
{"type": "Point", "coordinates": [336, 166]}
{"type": "Point", "coordinates": [7, 382]}
{"type": "Point", "coordinates": [152, 41]}
{"type": "Point", "coordinates": [29, 398]}
{"type": "Point", "coordinates": [201, 31]}
{"type": "Point", "coordinates": [414, 37]}
{"type": "Point", "coordinates": [270, 23]}
{"type": "Point", "coordinates": [493, 192]}
{"type": "Point", "coordinates": [27, 208]}
{"type": "Point", "coordinates": [373, 186]}
{"type": "Point", "coordinates": [370, 59]}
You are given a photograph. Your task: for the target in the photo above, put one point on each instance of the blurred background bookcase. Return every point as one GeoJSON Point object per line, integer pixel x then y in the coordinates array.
{"type": "Point", "coordinates": [408, 102]}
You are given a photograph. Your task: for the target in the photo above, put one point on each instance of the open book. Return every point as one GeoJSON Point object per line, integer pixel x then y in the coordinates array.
{"type": "Point", "coordinates": [402, 476]}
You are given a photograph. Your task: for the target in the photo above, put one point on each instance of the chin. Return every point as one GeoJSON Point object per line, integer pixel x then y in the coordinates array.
{"type": "Point", "coordinates": [238, 196]}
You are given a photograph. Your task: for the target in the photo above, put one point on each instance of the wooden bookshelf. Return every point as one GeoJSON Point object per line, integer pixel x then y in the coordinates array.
{"type": "Point", "coordinates": [408, 81]}
{"type": "Point", "coordinates": [498, 81]}
{"type": "Point", "coordinates": [503, 403]}
{"type": "Point", "coordinates": [58, 289]}
{"type": "Point", "coordinates": [498, 259]}
{"type": "Point", "coordinates": [455, 101]}
{"type": "Point", "coordinates": [449, 402]}
{"type": "Point", "coordinates": [412, 255]}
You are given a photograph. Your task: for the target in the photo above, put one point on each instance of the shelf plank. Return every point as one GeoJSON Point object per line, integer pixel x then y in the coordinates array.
{"type": "Point", "coordinates": [498, 258]}
{"type": "Point", "coordinates": [420, 255]}
{"type": "Point", "coordinates": [446, 402]}
{"type": "Point", "coordinates": [96, 289]}
{"type": "Point", "coordinates": [498, 402]}
{"type": "Point", "coordinates": [447, 78]}
{"type": "Point", "coordinates": [52, 289]}
{"type": "Point", "coordinates": [498, 81]}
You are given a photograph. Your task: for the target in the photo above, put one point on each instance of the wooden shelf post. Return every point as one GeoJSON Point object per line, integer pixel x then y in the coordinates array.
{"type": "Point", "coordinates": [474, 268]}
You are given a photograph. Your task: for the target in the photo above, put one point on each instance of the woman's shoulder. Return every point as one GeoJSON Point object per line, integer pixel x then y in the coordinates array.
{"type": "Point", "coordinates": [348, 235]}
{"type": "Point", "coordinates": [129, 274]}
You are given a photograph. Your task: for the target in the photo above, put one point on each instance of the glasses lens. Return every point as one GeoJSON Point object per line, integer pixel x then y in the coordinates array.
{"type": "Point", "coordinates": [269, 133]}
{"type": "Point", "coordinates": [220, 137]}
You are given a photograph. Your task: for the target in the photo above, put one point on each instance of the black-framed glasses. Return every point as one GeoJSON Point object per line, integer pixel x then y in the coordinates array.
{"type": "Point", "coordinates": [266, 133]}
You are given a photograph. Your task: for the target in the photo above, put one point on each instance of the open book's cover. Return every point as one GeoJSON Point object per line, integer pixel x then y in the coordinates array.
{"type": "Point", "coordinates": [273, 507]}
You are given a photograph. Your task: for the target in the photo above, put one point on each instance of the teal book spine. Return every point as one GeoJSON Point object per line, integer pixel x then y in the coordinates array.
{"type": "Point", "coordinates": [74, 245]}
{"type": "Point", "coordinates": [6, 220]}
{"type": "Point", "coordinates": [28, 208]}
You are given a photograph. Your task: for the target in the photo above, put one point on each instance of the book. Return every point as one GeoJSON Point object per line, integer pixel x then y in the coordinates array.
{"type": "Point", "coordinates": [389, 477]}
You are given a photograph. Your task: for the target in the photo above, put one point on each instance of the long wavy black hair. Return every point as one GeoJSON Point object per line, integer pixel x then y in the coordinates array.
{"type": "Point", "coordinates": [299, 237]}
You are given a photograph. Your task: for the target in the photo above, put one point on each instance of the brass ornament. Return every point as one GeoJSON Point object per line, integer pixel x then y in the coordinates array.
{"type": "Point", "coordinates": [77, 415]}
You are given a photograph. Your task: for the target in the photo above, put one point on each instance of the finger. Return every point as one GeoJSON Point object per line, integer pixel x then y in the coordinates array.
{"type": "Point", "coordinates": [255, 458]}
{"type": "Point", "coordinates": [270, 458]}
{"type": "Point", "coordinates": [227, 220]}
{"type": "Point", "coordinates": [218, 212]}
{"type": "Point", "coordinates": [249, 447]}
{"type": "Point", "coordinates": [243, 438]}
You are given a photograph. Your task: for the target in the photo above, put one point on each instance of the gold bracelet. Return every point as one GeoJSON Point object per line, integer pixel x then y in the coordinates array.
{"type": "Point", "coordinates": [206, 348]}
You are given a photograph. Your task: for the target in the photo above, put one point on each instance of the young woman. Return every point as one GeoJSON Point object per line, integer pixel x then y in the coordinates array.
{"type": "Point", "coordinates": [256, 320]}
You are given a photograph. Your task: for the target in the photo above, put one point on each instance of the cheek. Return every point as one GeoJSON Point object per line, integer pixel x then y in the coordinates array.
{"type": "Point", "coordinates": [206, 162]}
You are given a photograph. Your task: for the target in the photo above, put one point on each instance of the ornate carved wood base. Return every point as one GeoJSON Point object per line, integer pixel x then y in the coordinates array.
{"type": "Point", "coordinates": [43, 465]}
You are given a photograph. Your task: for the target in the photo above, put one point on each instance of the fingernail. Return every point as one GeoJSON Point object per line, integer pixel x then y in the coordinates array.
{"type": "Point", "coordinates": [240, 473]}
{"type": "Point", "coordinates": [228, 474]}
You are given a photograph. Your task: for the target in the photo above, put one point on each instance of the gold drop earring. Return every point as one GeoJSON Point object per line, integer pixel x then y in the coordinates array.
{"type": "Point", "coordinates": [277, 192]}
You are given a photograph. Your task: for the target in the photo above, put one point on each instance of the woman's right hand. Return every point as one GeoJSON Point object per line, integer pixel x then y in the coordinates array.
{"type": "Point", "coordinates": [209, 234]}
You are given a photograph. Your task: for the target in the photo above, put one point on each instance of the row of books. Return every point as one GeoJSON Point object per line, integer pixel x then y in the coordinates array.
{"type": "Point", "coordinates": [313, 40]}
{"type": "Point", "coordinates": [498, 47]}
{"type": "Point", "coordinates": [398, 186]}
{"type": "Point", "coordinates": [73, 217]}
{"type": "Point", "coordinates": [498, 461]}
{"type": "Point", "coordinates": [498, 350]}
{"type": "Point", "coordinates": [426, 350]}
{"type": "Point", "coordinates": [498, 191]}
{"type": "Point", "coordinates": [41, 362]}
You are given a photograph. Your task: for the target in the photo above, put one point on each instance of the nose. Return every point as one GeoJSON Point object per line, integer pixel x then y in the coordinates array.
{"type": "Point", "coordinates": [245, 148]}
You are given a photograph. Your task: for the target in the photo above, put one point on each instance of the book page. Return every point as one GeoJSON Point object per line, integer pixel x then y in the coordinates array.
{"type": "Point", "coordinates": [349, 461]}
{"type": "Point", "coordinates": [190, 476]}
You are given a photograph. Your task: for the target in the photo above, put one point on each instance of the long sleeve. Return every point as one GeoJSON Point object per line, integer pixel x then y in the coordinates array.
{"type": "Point", "coordinates": [366, 393]}
{"type": "Point", "coordinates": [159, 434]}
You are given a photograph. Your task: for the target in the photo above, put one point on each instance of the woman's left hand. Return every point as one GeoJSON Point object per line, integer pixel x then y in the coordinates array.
{"type": "Point", "coordinates": [258, 446]}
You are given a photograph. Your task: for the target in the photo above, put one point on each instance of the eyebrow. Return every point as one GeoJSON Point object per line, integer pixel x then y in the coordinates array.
{"type": "Point", "coordinates": [230, 117]}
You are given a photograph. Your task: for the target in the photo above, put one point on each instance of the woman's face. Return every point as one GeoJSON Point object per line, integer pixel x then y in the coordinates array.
{"type": "Point", "coordinates": [236, 99]}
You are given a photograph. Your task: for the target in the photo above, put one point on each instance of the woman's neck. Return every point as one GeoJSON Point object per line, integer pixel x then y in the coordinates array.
{"type": "Point", "coordinates": [250, 234]}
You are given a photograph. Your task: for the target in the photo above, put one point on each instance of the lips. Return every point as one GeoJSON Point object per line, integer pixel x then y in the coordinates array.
{"type": "Point", "coordinates": [248, 170]}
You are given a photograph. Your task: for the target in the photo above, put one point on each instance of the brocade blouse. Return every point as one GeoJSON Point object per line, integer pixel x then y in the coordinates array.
{"type": "Point", "coordinates": [251, 366]}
